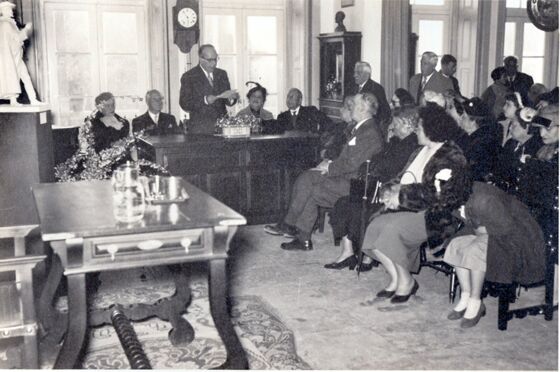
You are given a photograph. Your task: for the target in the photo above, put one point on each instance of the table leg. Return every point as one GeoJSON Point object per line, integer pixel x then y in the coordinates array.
{"type": "Point", "coordinates": [236, 358]}
{"type": "Point", "coordinates": [50, 319]}
{"type": "Point", "coordinates": [77, 323]}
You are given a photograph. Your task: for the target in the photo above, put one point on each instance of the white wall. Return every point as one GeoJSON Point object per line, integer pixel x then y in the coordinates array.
{"type": "Point", "coordinates": [364, 16]}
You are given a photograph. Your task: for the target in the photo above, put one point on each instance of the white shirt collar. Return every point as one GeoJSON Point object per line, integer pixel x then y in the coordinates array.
{"type": "Point", "coordinates": [296, 111]}
{"type": "Point", "coordinates": [428, 77]}
{"type": "Point", "coordinates": [154, 117]}
{"type": "Point", "coordinates": [206, 72]}
{"type": "Point", "coordinates": [362, 85]}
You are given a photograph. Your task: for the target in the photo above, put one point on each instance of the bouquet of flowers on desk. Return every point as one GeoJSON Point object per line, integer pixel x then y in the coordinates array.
{"type": "Point", "coordinates": [238, 126]}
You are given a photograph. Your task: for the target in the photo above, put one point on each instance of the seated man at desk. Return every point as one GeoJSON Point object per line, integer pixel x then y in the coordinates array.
{"type": "Point", "coordinates": [155, 122]}
{"type": "Point", "coordinates": [310, 119]}
{"type": "Point", "coordinates": [304, 118]}
{"type": "Point", "coordinates": [328, 181]}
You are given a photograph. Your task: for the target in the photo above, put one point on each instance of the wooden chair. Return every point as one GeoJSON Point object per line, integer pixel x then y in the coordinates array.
{"type": "Point", "coordinates": [320, 224]}
{"type": "Point", "coordinates": [428, 259]}
{"type": "Point", "coordinates": [20, 319]}
{"type": "Point", "coordinates": [507, 295]}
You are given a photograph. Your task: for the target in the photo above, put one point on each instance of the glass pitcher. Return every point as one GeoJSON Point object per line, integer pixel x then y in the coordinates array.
{"type": "Point", "coordinates": [128, 194]}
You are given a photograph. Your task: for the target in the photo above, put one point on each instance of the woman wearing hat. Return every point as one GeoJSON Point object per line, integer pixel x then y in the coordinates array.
{"type": "Point", "coordinates": [501, 243]}
{"type": "Point", "coordinates": [538, 176]}
{"type": "Point", "coordinates": [257, 98]}
{"type": "Point", "coordinates": [480, 141]}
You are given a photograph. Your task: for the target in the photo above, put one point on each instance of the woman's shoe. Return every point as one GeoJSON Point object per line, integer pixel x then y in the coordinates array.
{"type": "Point", "coordinates": [468, 323]}
{"type": "Point", "coordinates": [349, 262]}
{"type": "Point", "coordinates": [367, 266]}
{"type": "Point", "coordinates": [397, 299]}
{"type": "Point", "coordinates": [385, 294]}
{"type": "Point", "coordinates": [456, 315]}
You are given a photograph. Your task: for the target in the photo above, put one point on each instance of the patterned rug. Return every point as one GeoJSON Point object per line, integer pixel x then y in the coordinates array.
{"type": "Point", "coordinates": [268, 343]}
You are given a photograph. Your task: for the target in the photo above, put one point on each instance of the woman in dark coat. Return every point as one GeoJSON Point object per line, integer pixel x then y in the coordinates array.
{"type": "Point", "coordinates": [429, 189]}
{"type": "Point", "coordinates": [345, 218]}
{"type": "Point", "coordinates": [502, 243]}
{"type": "Point", "coordinates": [106, 126]}
{"type": "Point", "coordinates": [480, 142]}
{"type": "Point", "coordinates": [538, 176]}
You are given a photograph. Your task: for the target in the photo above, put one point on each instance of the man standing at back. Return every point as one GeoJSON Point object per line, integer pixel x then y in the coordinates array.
{"type": "Point", "coordinates": [517, 81]}
{"type": "Point", "coordinates": [364, 84]}
{"type": "Point", "coordinates": [448, 70]}
{"type": "Point", "coordinates": [205, 92]}
{"type": "Point", "coordinates": [428, 78]}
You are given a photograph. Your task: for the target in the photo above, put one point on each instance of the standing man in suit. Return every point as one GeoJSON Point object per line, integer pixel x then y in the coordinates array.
{"type": "Point", "coordinates": [205, 92]}
{"type": "Point", "coordinates": [328, 181]}
{"type": "Point", "coordinates": [428, 78]}
{"type": "Point", "coordinates": [364, 84]}
{"type": "Point", "coordinates": [154, 122]}
{"type": "Point", "coordinates": [517, 81]}
{"type": "Point", "coordinates": [448, 70]}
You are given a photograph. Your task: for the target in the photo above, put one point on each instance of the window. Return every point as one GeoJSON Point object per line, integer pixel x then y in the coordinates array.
{"type": "Point", "coordinates": [92, 48]}
{"type": "Point", "coordinates": [431, 21]}
{"type": "Point", "coordinates": [250, 44]}
{"type": "Point", "coordinates": [523, 40]}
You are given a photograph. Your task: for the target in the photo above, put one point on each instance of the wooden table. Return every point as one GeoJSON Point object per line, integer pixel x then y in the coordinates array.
{"type": "Point", "coordinates": [253, 175]}
{"type": "Point", "coordinates": [77, 220]}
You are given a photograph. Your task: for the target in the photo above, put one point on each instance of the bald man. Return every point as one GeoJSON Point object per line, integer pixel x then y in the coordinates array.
{"type": "Point", "coordinates": [303, 118]}
{"type": "Point", "coordinates": [428, 78]}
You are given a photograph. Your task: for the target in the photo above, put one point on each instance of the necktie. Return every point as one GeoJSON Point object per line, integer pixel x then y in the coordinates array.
{"type": "Point", "coordinates": [424, 81]}
{"type": "Point", "coordinates": [211, 80]}
{"type": "Point", "coordinates": [156, 118]}
{"type": "Point", "coordinates": [294, 119]}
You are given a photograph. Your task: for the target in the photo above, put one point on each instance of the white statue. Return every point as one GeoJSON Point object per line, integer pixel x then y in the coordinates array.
{"type": "Point", "coordinates": [12, 66]}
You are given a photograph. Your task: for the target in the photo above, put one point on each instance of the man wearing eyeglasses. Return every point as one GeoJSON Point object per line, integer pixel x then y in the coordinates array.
{"type": "Point", "coordinates": [205, 92]}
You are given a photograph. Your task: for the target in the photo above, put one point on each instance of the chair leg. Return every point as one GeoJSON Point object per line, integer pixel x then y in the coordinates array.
{"type": "Point", "coordinates": [452, 286]}
{"type": "Point", "coordinates": [549, 287]}
{"type": "Point", "coordinates": [503, 307]}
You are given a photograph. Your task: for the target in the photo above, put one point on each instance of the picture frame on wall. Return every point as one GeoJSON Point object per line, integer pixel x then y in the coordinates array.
{"type": "Point", "coordinates": [346, 3]}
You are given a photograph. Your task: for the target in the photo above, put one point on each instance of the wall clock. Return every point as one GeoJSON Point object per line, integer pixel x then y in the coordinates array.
{"type": "Point", "coordinates": [186, 24]}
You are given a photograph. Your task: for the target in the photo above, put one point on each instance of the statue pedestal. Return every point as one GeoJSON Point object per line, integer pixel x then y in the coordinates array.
{"type": "Point", "coordinates": [26, 158]}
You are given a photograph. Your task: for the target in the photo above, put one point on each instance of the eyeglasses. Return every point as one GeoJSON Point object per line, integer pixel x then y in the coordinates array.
{"type": "Point", "coordinates": [211, 59]}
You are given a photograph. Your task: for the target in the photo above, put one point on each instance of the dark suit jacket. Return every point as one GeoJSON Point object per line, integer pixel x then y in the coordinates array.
{"type": "Point", "coordinates": [368, 142]}
{"type": "Point", "coordinates": [522, 83]}
{"type": "Point", "coordinates": [481, 149]}
{"type": "Point", "coordinates": [166, 124]}
{"type": "Point", "coordinates": [437, 83]}
{"type": "Point", "coordinates": [194, 87]}
{"type": "Point", "coordinates": [383, 115]}
{"type": "Point", "coordinates": [309, 119]}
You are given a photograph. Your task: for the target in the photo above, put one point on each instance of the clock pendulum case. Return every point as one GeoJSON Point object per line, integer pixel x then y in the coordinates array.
{"type": "Point", "coordinates": [186, 30]}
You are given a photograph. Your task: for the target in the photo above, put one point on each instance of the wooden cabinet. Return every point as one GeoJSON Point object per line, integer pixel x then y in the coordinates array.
{"type": "Point", "coordinates": [26, 158]}
{"type": "Point", "coordinates": [254, 176]}
{"type": "Point", "coordinates": [339, 53]}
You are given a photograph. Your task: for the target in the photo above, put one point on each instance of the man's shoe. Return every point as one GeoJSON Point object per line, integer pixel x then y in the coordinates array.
{"type": "Point", "coordinates": [468, 323]}
{"type": "Point", "coordinates": [297, 245]}
{"type": "Point", "coordinates": [280, 229]}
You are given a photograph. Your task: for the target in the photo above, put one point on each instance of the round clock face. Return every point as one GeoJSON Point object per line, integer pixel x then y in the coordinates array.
{"type": "Point", "coordinates": [187, 17]}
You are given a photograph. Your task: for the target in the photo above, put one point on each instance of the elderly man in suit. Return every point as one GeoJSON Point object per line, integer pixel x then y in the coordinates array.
{"type": "Point", "coordinates": [428, 78]}
{"type": "Point", "coordinates": [518, 81]}
{"type": "Point", "coordinates": [448, 70]}
{"type": "Point", "coordinates": [364, 84]}
{"type": "Point", "coordinates": [303, 118]}
{"type": "Point", "coordinates": [154, 122]}
{"type": "Point", "coordinates": [205, 92]}
{"type": "Point", "coordinates": [330, 180]}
